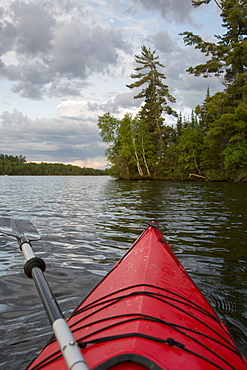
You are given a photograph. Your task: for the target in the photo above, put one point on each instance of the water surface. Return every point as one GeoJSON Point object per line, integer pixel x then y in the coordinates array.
{"type": "Point", "coordinates": [87, 224]}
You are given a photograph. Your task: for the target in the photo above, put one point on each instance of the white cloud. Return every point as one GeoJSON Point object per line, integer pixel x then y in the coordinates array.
{"type": "Point", "coordinates": [97, 162]}
{"type": "Point", "coordinates": [76, 108]}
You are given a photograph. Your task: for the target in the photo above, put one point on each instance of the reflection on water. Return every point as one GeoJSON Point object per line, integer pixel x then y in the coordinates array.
{"type": "Point", "coordinates": [87, 223]}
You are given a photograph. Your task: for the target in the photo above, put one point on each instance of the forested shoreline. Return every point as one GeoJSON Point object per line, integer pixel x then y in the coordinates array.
{"type": "Point", "coordinates": [17, 166]}
{"type": "Point", "coordinates": [211, 144]}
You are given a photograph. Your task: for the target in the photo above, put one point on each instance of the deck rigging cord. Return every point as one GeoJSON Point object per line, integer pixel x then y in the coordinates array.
{"type": "Point", "coordinates": [105, 302]}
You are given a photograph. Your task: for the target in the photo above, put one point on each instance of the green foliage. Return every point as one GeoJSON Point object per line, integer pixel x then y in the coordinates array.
{"type": "Point", "coordinates": [127, 151]}
{"type": "Point", "coordinates": [235, 156]}
{"type": "Point", "coordinates": [108, 127]}
{"type": "Point", "coordinates": [212, 143]}
{"type": "Point", "coordinates": [222, 117]}
{"type": "Point", "coordinates": [225, 130]}
{"type": "Point", "coordinates": [137, 145]}
{"type": "Point", "coordinates": [190, 148]}
{"type": "Point", "coordinates": [197, 3]}
{"type": "Point", "coordinates": [10, 165]}
{"type": "Point", "coordinates": [153, 134]}
{"type": "Point", "coordinates": [154, 91]}
{"type": "Point", "coordinates": [227, 57]}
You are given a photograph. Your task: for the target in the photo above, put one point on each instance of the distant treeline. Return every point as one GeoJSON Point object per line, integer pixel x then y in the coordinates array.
{"type": "Point", "coordinates": [17, 165]}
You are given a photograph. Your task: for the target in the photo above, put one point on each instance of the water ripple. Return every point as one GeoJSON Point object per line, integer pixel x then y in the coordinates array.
{"type": "Point", "coordinates": [87, 224]}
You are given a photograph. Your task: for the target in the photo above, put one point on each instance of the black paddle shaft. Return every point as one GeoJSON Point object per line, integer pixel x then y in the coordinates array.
{"type": "Point", "coordinates": [50, 304]}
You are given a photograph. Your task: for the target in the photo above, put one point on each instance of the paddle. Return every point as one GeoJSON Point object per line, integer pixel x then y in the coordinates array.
{"type": "Point", "coordinates": [25, 232]}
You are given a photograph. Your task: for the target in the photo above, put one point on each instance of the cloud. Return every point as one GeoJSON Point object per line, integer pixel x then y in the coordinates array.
{"type": "Point", "coordinates": [119, 104]}
{"type": "Point", "coordinates": [8, 33]}
{"type": "Point", "coordinates": [164, 42]}
{"type": "Point", "coordinates": [79, 108]}
{"type": "Point", "coordinates": [178, 10]}
{"type": "Point", "coordinates": [80, 50]}
{"type": "Point", "coordinates": [95, 162]}
{"type": "Point", "coordinates": [50, 52]}
{"type": "Point", "coordinates": [70, 137]}
{"type": "Point", "coordinates": [34, 28]}
{"type": "Point", "coordinates": [122, 103]}
{"type": "Point", "coordinates": [60, 138]}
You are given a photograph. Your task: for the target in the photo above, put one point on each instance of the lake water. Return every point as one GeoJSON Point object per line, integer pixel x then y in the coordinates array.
{"type": "Point", "coordinates": [87, 224]}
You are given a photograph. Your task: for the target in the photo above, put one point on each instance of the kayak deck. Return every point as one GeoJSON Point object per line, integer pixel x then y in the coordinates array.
{"type": "Point", "coordinates": [147, 313]}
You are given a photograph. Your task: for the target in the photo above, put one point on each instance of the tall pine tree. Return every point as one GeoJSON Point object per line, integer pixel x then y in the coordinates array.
{"type": "Point", "coordinates": [156, 96]}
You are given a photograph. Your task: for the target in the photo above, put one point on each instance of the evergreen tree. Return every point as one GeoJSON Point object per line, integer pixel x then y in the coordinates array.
{"type": "Point", "coordinates": [179, 126]}
{"type": "Point", "coordinates": [156, 95]}
{"type": "Point", "coordinates": [137, 144]}
{"type": "Point", "coordinates": [223, 117]}
{"type": "Point", "coordinates": [227, 57]}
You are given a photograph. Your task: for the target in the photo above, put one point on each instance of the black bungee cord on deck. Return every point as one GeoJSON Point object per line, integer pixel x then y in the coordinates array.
{"type": "Point", "coordinates": [107, 301]}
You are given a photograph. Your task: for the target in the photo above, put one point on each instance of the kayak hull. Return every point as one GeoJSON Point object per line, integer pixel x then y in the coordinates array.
{"type": "Point", "coordinates": [147, 313]}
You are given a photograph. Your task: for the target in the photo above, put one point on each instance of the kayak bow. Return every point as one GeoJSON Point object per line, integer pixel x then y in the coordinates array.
{"type": "Point", "coordinates": [147, 314]}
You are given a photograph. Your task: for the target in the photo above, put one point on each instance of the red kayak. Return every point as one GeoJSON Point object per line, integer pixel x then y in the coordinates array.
{"type": "Point", "coordinates": [147, 314]}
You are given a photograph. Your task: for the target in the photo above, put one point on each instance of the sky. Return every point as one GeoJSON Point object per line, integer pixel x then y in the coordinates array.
{"type": "Point", "coordinates": [63, 63]}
